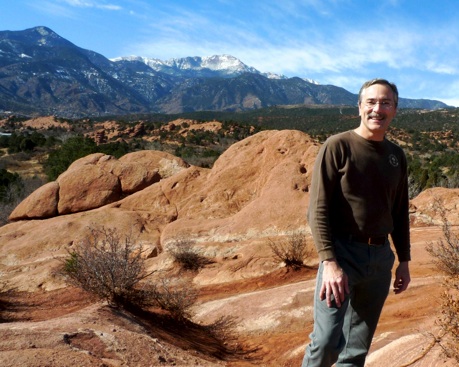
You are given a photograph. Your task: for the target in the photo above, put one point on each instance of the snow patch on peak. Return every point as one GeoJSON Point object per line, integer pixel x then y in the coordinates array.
{"type": "Point", "coordinates": [221, 62]}
{"type": "Point", "coordinates": [43, 31]}
{"type": "Point", "coordinates": [270, 75]}
{"type": "Point", "coordinates": [216, 65]}
{"type": "Point", "coordinates": [312, 81]}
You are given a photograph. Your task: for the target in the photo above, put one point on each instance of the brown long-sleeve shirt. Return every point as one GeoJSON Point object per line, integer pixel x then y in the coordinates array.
{"type": "Point", "coordinates": [359, 187]}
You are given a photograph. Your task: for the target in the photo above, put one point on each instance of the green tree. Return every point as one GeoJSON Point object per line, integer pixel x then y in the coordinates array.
{"type": "Point", "coordinates": [77, 147]}
{"type": "Point", "coordinates": [60, 159]}
{"type": "Point", "coordinates": [8, 182]}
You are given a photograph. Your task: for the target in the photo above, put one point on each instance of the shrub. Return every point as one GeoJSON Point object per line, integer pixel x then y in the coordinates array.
{"type": "Point", "coordinates": [446, 250]}
{"type": "Point", "coordinates": [187, 256]}
{"type": "Point", "coordinates": [174, 296]}
{"type": "Point", "coordinates": [292, 249]}
{"type": "Point", "coordinates": [112, 267]}
{"type": "Point", "coordinates": [446, 256]}
{"type": "Point", "coordinates": [449, 319]}
{"type": "Point", "coordinates": [109, 266]}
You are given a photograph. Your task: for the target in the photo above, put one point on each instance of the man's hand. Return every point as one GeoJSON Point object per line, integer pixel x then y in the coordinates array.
{"type": "Point", "coordinates": [334, 281]}
{"type": "Point", "coordinates": [402, 277]}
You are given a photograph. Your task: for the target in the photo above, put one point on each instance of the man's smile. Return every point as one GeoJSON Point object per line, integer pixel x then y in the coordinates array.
{"type": "Point", "coordinates": [377, 118]}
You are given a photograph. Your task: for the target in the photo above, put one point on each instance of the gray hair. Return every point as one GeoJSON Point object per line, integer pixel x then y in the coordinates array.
{"type": "Point", "coordinates": [371, 82]}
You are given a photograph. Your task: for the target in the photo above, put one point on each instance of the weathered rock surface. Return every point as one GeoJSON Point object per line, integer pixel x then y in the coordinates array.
{"type": "Point", "coordinates": [97, 180]}
{"type": "Point", "coordinates": [42, 203]}
{"type": "Point", "coordinates": [256, 189]}
{"type": "Point", "coordinates": [426, 206]}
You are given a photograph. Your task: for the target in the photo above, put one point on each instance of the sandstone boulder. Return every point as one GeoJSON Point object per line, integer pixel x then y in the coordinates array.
{"type": "Point", "coordinates": [89, 160]}
{"type": "Point", "coordinates": [86, 188]}
{"type": "Point", "coordinates": [97, 180]}
{"type": "Point", "coordinates": [141, 169]}
{"type": "Point", "coordinates": [427, 207]}
{"type": "Point", "coordinates": [42, 203]}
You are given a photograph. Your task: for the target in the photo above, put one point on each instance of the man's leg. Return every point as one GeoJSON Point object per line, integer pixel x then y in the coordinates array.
{"type": "Point", "coordinates": [327, 339]}
{"type": "Point", "coordinates": [366, 303]}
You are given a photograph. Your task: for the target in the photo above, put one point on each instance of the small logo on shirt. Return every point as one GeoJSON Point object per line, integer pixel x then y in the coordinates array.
{"type": "Point", "coordinates": [393, 160]}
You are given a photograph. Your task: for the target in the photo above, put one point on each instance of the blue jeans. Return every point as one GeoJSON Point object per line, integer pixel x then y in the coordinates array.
{"type": "Point", "coordinates": [343, 335]}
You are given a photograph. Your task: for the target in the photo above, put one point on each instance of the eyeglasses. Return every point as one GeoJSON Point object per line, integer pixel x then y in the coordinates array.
{"type": "Point", "coordinates": [383, 104]}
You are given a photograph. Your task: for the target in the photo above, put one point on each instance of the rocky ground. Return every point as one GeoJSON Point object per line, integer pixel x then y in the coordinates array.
{"type": "Point", "coordinates": [272, 314]}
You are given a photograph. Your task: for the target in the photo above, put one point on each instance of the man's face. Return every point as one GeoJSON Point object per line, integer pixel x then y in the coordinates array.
{"type": "Point", "coordinates": [376, 110]}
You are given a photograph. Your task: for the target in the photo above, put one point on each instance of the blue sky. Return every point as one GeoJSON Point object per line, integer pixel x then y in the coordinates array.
{"type": "Point", "coordinates": [413, 43]}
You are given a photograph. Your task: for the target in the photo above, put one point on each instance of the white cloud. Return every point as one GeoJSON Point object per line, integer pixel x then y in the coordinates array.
{"type": "Point", "coordinates": [175, 35]}
{"type": "Point", "coordinates": [434, 67]}
{"type": "Point", "coordinates": [65, 8]}
{"type": "Point", "coordinates": [52, 8]}
{"type": "Point", "coordinates": [310, 39]}
{"type": "Point", "coordinates": [92, 4]}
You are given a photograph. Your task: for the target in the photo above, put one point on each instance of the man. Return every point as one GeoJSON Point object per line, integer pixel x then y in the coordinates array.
{"type": "Point", "coordinates": [358, 196]}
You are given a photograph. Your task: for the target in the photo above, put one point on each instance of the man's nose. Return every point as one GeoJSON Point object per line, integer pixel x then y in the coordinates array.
{"type": "Point", "coordinates": [377, 107]}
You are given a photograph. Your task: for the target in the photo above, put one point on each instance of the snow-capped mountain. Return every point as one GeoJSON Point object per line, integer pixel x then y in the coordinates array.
{"type": "Point", "coordinates": [225, 66]}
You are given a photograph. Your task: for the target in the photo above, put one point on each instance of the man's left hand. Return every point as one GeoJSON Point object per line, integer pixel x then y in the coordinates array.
{"type": "Point", "coordinates": [402, 277]}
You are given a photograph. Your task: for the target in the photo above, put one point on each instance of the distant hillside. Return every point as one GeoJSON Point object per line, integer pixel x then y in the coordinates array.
{"type": "Point", "coordinates": [42, 73]}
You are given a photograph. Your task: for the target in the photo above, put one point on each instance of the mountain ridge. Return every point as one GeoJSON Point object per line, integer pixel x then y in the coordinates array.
{"type": "Point", "coordinates": [42, 73]}
{"type": "Point", "coordinates": [225, 66]}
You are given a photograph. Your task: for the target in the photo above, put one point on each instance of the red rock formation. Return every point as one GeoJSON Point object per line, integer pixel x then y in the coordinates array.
{"type": "Point", "coordinates": [42, 203]}
{"type": "Point", "coordinates": [426, 206]}
{"type": "Point", "coordinates": [97, 180]}
{"type": "Point", "coordinates": [257, 188]}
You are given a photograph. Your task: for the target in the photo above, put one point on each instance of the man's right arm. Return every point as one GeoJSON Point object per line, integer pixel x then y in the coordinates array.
{"type": "Point", "coordinates": [320, 193]}
{"type": "Point", "coordinates": [334, 281]}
